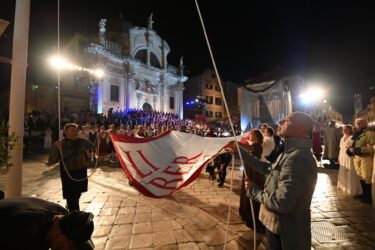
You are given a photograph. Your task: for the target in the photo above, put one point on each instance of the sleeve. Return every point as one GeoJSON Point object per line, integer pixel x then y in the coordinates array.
{"type": "Point", "coordinates": [259, 166]}
{"type": "Point", "coordinates": [370, 138]}
{"type": "Point", "coordinates": [290, 186]}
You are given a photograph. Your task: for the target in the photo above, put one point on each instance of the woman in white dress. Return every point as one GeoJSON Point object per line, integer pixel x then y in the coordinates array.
{"type": "Point", "coordinates": [373, 184]}
{"type": "Point", "coordinates": [348, 180]}
{"type": "Point", "coordinates": [47, 142]}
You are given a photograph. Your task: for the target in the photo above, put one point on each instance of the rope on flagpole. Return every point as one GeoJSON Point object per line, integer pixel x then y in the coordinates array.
{"type": "Point", "coordinates": [92, 172]}
{"type": "Point", "coordinates": [232, 128]}
{"type": "Point", "coordinates": [58, 70]}
{"type": "Point", "coordinates": [230, 200]}
{"type": "Point", "coordinates": [59, 104]}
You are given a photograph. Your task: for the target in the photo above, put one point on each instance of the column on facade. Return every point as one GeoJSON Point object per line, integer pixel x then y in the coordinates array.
{"type": "Point", "coordinates": [100, 93]}
{"type": "Point", "coordinates": [130, 93]}
{"type": "Point", "coordinates": [164, 54]}
{"type": "Point", "coordinates": [148, 48]}
{"type": "Point", "coordinates": [180, 99]}
{"type": "Point", "coordinates": [181, 104]}
{"type": "Point", "coordinates": [122, 91]}
{"type": "Point", "coordinates": [161, 92]}
{"type": "Point", "coordinates": [126, 93]}
{"type": "Point", "coordinates": [148, 56]}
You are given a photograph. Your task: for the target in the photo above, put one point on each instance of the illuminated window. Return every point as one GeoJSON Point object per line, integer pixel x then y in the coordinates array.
{"type": "Point", "coordinates": [209, 99]}
{"type": "Point", "coordinates": [218, 101]}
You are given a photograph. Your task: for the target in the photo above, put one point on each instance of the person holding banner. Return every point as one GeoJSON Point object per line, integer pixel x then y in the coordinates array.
{"type": "Point", "coordinates": [290, 183]}
{"type": "Point", "coordinates": [253, 144]}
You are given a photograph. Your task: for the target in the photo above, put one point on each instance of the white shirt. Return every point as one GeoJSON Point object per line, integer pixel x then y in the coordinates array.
{"type": "Point", "coordinates": [268, 145]}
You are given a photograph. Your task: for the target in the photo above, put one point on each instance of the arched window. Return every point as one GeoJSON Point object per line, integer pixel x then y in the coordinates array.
{"type": "Point", "coordinates": [154, 61]}
{"type": "Point", "coordinates": [142, 55]}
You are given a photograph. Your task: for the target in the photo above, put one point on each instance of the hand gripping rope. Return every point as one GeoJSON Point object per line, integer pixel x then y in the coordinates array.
{"type": "Point", "coordinates": [234, 133]}
{"type": "Point", "coordinates": [92, 172]}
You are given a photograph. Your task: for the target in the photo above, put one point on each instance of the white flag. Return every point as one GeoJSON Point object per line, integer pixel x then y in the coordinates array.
{"type": "Point", "coordinates": [160, 165]}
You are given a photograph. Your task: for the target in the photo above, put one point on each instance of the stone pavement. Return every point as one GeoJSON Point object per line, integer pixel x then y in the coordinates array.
{"type": "Point", "coordinates": [192, 218]}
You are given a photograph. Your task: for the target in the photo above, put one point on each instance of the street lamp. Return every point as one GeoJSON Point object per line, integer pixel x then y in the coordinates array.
{"type": "Point", "coordinates": [59, 63]}
{"type": "Point", "coordinates": [99, 73]}
{"type": "Point", "coordinates": [312, 95]}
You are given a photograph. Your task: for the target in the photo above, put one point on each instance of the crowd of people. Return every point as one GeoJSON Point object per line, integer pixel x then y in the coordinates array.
{"type": "Point", "coordinates": [351, 150]}
{"type": "Point", "coordinates": [279, 186]}
{"type": "Point", "coordinates": [134, 122]}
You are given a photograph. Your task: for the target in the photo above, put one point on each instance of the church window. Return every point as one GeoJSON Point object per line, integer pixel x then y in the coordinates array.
{"type": "Point", "coordinates": [154, 61]}
{"type": "Point", "coordinates": [115, 93]}
{"type": "Point", "coordinates": [171, 102]}
{"type": "Point", "coordinates": [142, 55]}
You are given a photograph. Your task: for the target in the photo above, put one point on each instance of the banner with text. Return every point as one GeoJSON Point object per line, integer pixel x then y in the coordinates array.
{"type": "Point", "coordinates": [159, 166]}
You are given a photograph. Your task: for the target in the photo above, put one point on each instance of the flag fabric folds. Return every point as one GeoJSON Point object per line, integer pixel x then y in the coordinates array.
{"type": "Point", "coordinates": [158, 166]}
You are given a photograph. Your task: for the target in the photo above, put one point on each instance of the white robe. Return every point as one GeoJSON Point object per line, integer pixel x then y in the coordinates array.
{"type": "Point", "coordinates": [373, 184]}
{"type": "Point", "coordinates": [348, 180]}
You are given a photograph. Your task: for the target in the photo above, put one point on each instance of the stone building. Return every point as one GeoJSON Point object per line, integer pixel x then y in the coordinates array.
{"type": "Point", "coordinates": [205, 88]}
{"type": "Point", "coordinates": [268, 98]}
{"type": "Point", "coordinates": [135, 73]}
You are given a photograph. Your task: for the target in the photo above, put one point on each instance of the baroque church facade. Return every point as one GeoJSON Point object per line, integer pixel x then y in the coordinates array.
{"type": "Point", "coordinates": [136, 73]}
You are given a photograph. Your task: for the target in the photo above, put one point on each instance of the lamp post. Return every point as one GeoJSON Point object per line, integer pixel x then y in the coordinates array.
{"type": "Point", "coordinates": [60, 64]}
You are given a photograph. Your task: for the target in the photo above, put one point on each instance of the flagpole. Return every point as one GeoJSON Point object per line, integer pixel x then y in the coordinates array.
{"type": "Point", "coordinates": [17, 94]}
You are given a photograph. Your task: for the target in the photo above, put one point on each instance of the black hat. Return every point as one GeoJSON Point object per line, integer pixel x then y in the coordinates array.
{"type": "Point", "coordinates": [67, 125]}
{"type": "Point", "coordinates": [78, 227]}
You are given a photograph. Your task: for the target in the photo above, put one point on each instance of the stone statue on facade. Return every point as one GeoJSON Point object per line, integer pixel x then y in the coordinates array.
{"type": "Point", "coordinates": [181, 66]}
{"type": "Point", "coordinates": [102, 24]}
{"type": "Point", "coordinates": [150, 22]}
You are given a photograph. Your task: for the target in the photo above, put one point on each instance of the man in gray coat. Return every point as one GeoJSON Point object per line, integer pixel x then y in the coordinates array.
{"type": "Point", "coordinates": [286, 196]}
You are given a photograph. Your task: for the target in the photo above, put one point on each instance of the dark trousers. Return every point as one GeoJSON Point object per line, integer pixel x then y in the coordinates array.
{"type": "Point", "coordinates": [222, 174]}
{"type": "Point", "coordinates": [72, 202]}
{"type": "Point", "coordinates": [273, 241]}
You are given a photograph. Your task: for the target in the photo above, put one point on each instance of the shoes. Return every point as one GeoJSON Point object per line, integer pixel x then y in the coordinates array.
{"type": "Point", "coordinates": [367, 201]}
{"type": "Point", "coordinates": [358, 196]}
{"type": "Point", "coordinates": [331, 166]}
{"type": "Point", "coordinates": [220, 185]}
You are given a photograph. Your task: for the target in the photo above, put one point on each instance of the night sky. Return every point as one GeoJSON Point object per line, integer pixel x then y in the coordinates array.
{"type": "Point", "coordinates": [330, 41]}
